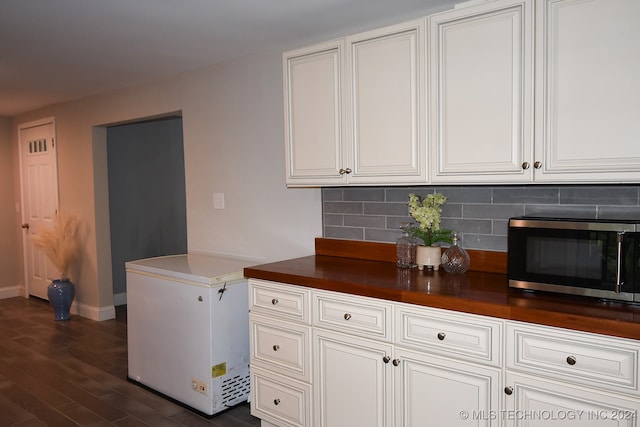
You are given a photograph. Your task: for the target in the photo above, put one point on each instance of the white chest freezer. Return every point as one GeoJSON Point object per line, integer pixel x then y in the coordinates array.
{"type": "Point", "coordinates": [188, 329]}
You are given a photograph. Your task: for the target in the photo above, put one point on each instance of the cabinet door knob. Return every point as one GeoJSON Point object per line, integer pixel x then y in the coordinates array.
{"type": "Point", "coordinates": [346, 170]}
{"type": "Point", "coordinates": [396, 362]}
{"type": "Point", "coordinates": [386, 359]}
{"type": "Point", "coordinates": [525, 165]}
{"type": "Point", "coordinates": [276, 347]}
{"type": "Point", "coordinates": [537, 164]}
{"type": "Point", "coordinates": [441, 336]}
{"type": "Point", "coordinates": [508, 390]}
{"type": "Point", "coordinates": [571, 360]}
{"type": "Point", "coordinates": [25, 225]}
{"type": "Point", "coordinates": [276, 402]}
{"type": "Point", "coordinates": [274, 301]}
{"type": "Point", "coordinates": [347, 316]}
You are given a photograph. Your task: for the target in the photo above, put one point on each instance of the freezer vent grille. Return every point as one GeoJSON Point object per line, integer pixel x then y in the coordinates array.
{"type": "Point", "coordinates": [235, 388]}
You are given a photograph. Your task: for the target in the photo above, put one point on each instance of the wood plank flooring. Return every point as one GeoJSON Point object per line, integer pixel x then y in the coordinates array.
{"type": "Point", "coordinates": [74, 373]}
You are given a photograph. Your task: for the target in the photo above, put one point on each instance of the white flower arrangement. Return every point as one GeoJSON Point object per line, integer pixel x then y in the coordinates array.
{"type": "Point", "coordinates": [427, 213]}
{"type": "Point", "coordinates": [59, 243]}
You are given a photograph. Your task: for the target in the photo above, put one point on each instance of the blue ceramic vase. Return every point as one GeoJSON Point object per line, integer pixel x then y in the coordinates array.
{"type": "Point", "coordinates": [61, 293]}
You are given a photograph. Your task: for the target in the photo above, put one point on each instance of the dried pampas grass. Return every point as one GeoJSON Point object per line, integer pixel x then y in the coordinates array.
{"type": "Point", "coordinates": [60, 243]}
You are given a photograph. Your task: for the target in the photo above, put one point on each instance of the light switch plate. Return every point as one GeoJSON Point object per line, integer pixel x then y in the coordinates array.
{"type": "Point", "coordinates": [218, 200]}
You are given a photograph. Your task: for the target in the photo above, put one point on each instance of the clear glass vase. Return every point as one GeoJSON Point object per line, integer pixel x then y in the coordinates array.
{"type": "Point", "coordinates": [406, 249]}
{"type": "Point", "coordinates": [455, 259]}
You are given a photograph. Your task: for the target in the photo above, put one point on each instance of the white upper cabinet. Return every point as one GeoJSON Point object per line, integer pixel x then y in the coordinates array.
{"type": "Point", "coordinates": [385, 97]}
{"type": "Point", "coordinates": [481, 93]}
{"type": "Point", "coordinates": [313, 99]}
{"type": "Point", "coordinates": [588, 90]}
{"type": "Point", "coordinates": [495, 91]}
{"type": "Point", "coordinates": [354, 109]}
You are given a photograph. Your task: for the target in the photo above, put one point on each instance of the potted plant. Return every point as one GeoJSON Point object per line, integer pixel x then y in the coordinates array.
{"type": "Point", "coordinates": [426, 212]}
{"type": "Point", "coordinates": [60, 244]}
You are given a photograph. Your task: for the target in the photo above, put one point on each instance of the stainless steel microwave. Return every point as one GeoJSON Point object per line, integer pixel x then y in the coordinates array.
{"type": "Point", "coordinates": [596, 258]}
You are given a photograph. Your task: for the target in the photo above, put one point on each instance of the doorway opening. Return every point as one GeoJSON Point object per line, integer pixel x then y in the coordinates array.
{"type": "Point", "coordinates": [147, 196]}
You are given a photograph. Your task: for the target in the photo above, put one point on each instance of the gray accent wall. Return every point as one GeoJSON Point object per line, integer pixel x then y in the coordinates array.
{"type": "Point", "coordinates": [479, 213]}
{"type": "Point", "coordinates": [147, 198]}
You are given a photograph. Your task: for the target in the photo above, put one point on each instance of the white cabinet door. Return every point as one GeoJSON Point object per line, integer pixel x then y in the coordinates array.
{"type": "Point", "coordinates": [352, 381]}
{"type": "Point", "coordinates": [369, 130]}
{"type": "Point", "coordinates": [434, 391]}
{"type": "Point", "coordinates": [313, 99]}
{"type": "Point", "coordinates": [537, 403]}
{"type": "Point", "coordinates": [385, 105]}
{"type": "Point", "coordinates": [587, 90]}
{"type": "Point", "coordinates": [481, 94]}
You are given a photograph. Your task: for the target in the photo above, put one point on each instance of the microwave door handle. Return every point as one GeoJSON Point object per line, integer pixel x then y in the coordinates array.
{"type": "Point", "coordinates": [619, 282]}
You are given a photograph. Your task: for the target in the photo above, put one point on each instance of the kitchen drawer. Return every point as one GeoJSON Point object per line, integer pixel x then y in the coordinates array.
{"type": "Point", "coordinates": [281, 347]}
{"type": "Point", "coordinates": [580, 357]}
{"type": "Point", "coordinates": [279, 400]}
{"type": "Point", "coordinates": [367, 317]}
{"type": "Point", "coordinates": [279, 300]}
{"type": "Point", "coordinates": [456, 335]}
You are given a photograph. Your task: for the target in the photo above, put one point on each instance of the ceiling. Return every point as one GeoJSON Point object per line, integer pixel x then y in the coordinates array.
{"type": "Point", "coordinates": [53, 51]}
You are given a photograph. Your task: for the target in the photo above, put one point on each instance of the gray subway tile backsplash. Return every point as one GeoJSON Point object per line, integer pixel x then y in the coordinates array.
{"type": "Point", "coordinates": [353, 208]}
{"type": "Point", "coordinates": [622, 195]}
{"type": "Point", "coordinates": [527, 195]}
{"type": "Point", "coordinates": [366, 221]}
{"type": "Point", "coordinates": [365, 194]}
{"type": "Point", "coordinates": [479, 213]}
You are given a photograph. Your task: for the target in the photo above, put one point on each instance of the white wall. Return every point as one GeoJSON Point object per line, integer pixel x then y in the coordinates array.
{"type": "Point", "coordinates": [10, 254]}
{"type": "Point", "coordinates": [233, 142]}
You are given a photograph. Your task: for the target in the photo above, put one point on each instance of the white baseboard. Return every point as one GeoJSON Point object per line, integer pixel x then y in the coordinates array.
{"type": "Point", "coordinates": [12, 291]}
{"type": "Point", "coordinates": [120, 299]}
{"type": "Point", "coordinates": [84, 310]}
{"type": "Point", "coordinates": [93, 312]}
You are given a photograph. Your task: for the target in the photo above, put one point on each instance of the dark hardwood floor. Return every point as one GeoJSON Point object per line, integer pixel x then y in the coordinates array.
{"type": "Point", "coordinates": [74, 373]}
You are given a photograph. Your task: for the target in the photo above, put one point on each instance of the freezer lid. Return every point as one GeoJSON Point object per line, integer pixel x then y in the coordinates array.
{"type": "Point", "coordinates": [200, 268]}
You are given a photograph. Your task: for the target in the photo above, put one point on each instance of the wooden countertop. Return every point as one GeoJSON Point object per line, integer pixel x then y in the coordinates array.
{"type": "Point", "coordinates": [368, 269]}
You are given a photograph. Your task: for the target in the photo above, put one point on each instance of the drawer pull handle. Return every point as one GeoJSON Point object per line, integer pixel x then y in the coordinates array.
{"type": "Point", "coordinates": [274, 301]}
{"type": "Point", "coordinates": [441, 336]}
{"type": "Point", "coordinates": [386, 359]}
{"type": "Point", "coordinates": [347, 316]}
{"type": "Point", "coordinates": [571, 360]}
{"type": "Point", "coordinates": [396, 362]}
{"type": "Point", "coordinates": [508, 390]}
{"type": "Point", "coordinates": [276, 402]}
{"type": "Point", "coordinates": [276, 347]}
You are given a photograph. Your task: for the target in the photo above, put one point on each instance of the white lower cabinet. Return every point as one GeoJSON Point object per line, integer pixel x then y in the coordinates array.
{"type": "Point", "coordinates": [280, 349]}
{"type": "Point", "coordinates": [279, 399]}
{"type": "Point", "coordinates": [558, 378]}
{"type": "Point", "coordinates": [436, 391]}
{"type": "Point", "coordinates": [362, 361]}
{"type": "Point", "coordinates": [352, 381]}
{"type": "Point", "coordinates": [364, 382]}
{"type": "Point", "coordinates": [536, 402]}
{"type": "Point", "coordinates": [329, 359]}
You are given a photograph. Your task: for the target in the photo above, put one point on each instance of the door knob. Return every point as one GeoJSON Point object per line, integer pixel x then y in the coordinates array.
{"type": "Point", "coordinates": [25, 225]}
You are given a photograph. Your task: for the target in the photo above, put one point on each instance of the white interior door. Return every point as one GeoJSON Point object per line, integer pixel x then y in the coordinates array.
{"type": "Point", "coordinates": [39, 184]}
